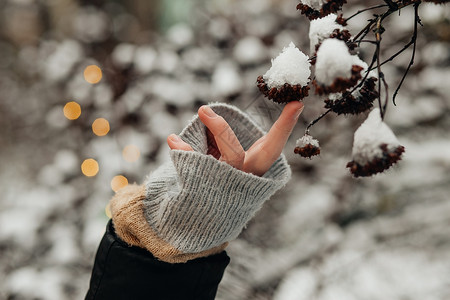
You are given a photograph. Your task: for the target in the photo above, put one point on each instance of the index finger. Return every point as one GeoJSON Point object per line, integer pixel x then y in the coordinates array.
{"type": "Point", "coordinates": [280, 131]}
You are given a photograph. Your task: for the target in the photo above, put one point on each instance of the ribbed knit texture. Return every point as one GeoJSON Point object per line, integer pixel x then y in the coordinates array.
{"type": "Point", "coordinates": [196, 202]}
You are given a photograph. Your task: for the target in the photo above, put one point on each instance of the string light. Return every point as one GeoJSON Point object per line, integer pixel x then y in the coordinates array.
{"type": "Point", "coordinates": [131, 153]}
{"type": "Point", "coordinates": [118, 182]}
{"type": "Point", "coordinates": [92, 74]}
{"type": "Point", "coordinates": [100, 127]}
{"type": "Point", "coordinates": [89, 167]}
{"type": "Point", "coordinates": [72, 110]}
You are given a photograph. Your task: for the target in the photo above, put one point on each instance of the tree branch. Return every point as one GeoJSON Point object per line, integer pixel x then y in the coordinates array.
{"type": "Point", "coordinates": [414, 41]}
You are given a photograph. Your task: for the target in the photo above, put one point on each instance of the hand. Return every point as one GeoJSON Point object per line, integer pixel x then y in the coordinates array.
{"type": "Point", "coordinates": [226, 147]}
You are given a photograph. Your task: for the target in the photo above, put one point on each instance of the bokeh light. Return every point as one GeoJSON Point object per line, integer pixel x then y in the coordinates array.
{"type": "Point", "coordinates": [131, 153]}
{"type": "Point", "coordinates": [93, 74]}
{"type": "Point", "coordinates": [100, 127]}
{"type": "Point", "coordinates": [118, 182]}
{"type": "Point", "coordinates": [72, 110]}
{"type": "Point", "coordinates": [89, 167]}
{"type": "Point", "coordinates": [108, 211]}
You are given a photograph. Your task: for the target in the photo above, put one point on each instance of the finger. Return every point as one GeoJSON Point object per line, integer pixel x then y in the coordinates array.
{"type": "Point", "coordinates": [176, 143]}
{"type": "Point", "coordinates": [228, 144]}
{"type": "Point", "coordinates": [274, 141]}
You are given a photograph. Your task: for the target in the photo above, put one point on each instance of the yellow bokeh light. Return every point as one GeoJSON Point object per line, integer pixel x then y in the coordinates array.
{"type": "Point", "coordinates": [92, 74]}
{"type": "Point", "coordinates": [89, 167]}
{"type": "Point", "coordinates": [118, 182]}
{"type": "Point", "coordinates": [100, 127]}
{"type": "Point", "coordinates": [72, 110]}
{"type": "Point", "coordinates": [131, 153]}
{"type": "Point", "coordinates": [108, 211]}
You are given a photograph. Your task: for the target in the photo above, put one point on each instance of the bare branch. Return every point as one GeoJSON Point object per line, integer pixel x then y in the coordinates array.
{"type": "Point", "coordinates": [365, 9]}
{"type": "Point", "coordinates": [414, 40]}
{"type": "Point", "coordinates": [316, 120]}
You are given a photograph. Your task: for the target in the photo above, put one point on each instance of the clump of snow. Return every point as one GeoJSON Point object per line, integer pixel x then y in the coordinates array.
{"type": "Point", "coordinates": [307, 140]}
{"type": "Point", "coordinates": [356, 93]}
{"type": "Point", "coordinates": [333, 60]}
{"type": "Point", "coordinates": [290, 66]}
{"type": "Point", "coordinates": [321, 29]}
{"type": "Point", "coordinates": [370, 136]}
{"type": "Point", "coordinates": [315, 4]}
{"type": "Point", "coordinates": [250, 50]}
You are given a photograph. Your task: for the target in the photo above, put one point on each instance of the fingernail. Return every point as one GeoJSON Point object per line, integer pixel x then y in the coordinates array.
{"type": "Point", "coordinates": [298, 112]}
{"type": "Point", "coordinates": [209, 112]}
{"type": "Point", "coordinates": [175, 138]}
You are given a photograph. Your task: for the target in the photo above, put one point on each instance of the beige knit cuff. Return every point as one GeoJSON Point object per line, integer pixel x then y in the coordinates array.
{"type": "Point", "coordinates": [132, 227]}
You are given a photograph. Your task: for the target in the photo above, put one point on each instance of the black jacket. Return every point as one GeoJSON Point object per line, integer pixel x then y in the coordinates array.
{"type": "Point", "coordinates": [133, 273]}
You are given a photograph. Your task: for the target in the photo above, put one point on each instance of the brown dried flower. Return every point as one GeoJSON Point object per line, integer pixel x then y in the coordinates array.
{"type": "Point", "coordinates": [331, 6]}
{"type": "Point", "coordinates": [283, 94]}
{"type": "Point", "coordinates": [340, 84]}
{"type": "Point", "coordinates": [307, 146]}
{"type": "Point", "coordinates": [354, 103]}
{"type": "Point", "coordinates": [378, 164]}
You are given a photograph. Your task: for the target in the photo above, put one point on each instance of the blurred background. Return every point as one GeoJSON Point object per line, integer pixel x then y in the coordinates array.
{"type": "Point", "coordinates": [89, 91]}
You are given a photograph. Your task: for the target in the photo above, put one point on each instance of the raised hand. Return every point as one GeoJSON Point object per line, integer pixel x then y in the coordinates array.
{"type": "Point", "coordinates": [226, 147]}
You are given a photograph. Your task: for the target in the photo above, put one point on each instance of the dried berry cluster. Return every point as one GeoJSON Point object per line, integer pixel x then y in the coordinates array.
{"type": "Point", "coordinates": [308, 150]}
{"type": "Point", "coordinates": [340, 84]}
{"type": "Point", "coordinates": [331, 6]}
{"type": "Point", "coordinates": [378, 164]}
{"type": "Point", "coordinates": [349, 104]}
{"type": "Point", "coordinates": [343, 35]}
{"type": "Point", "coordinates": [283, 94]}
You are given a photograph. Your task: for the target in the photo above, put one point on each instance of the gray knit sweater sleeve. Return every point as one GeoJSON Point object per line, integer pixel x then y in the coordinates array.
{"type": "Point", "coordinates": [196, 202]}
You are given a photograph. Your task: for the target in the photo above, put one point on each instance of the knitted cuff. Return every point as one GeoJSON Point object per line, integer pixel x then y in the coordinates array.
{"type": "Point", "coordinates": [131, 226]}
{"type": "Point", "coordinates": [196, 202]}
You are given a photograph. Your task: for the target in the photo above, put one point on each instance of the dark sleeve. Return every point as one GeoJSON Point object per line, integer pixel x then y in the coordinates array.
{"type": "Point", "coordinates": [124, 272]}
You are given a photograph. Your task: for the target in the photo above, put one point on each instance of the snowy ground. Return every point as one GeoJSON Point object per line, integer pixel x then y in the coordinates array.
{"type": "Point", "coordinates": [325, 236]}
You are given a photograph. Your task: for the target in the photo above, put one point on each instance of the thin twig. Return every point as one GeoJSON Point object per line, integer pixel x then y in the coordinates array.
{"type": "Point", "coordinates": [386, 90]}
{"type": "Point", "coordinates": [316, 120]}
{"type": "Point", "coordinates": [362, 34]}
{"type": "Point", "coordinates": [398, 52]}
{"type": "Point", "coordinates": [414, 39]}
{"type": "Point", "coordinates": [365, 9]}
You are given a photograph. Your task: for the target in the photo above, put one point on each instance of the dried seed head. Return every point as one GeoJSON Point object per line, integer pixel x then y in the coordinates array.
{"type": "Point", "coordinates": [375, 147]}
{"type": "Point", "coordinates": [283, 94]}
{"type": "Point", "coordinates": [314, 9]}
{"type": "Point", "coordinates": [307, 146]}
{"type": "Point", "coordinates": [336, 69]}
{"type": "Point", "coordinates": [354, 103]}
{"type": "Point", "coordinates": [321, 29]}
{"type": "Point", "coordinates": [340, 84]}
{"type": "Point", "coordinates": [287, 79]}
{"type": "Point", "coordinates": [377, 164]}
